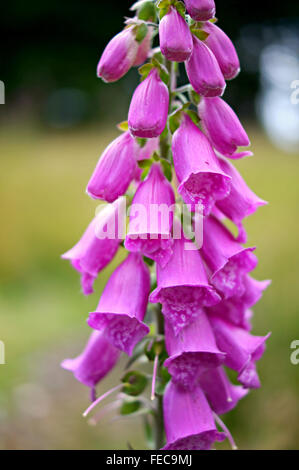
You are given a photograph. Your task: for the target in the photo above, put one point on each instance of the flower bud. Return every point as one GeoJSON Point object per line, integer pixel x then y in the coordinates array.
{"type": "Point", "coordinates": [223, 127]}
{"type": "Point", "coordinates": [175, 37]}
{"type": "Point", "coordinates": [223, 49]}
{"type": "Point", "coordinates": [201, 10]}
{"type": "Point", "coordinates": [118, 56]}
{"type": "Point", "coordinates": [204, 72]}
{"type": "Point", "coordinates": [115, 170]}
{"type": "Point", "coordinates": [149, 107]}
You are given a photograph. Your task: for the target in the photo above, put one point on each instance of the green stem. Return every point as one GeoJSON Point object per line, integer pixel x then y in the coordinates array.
{"type": "Point", "coordinates": [159, 422]}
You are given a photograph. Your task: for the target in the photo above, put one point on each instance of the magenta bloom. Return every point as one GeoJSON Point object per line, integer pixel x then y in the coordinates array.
{"type": "Point", "coordinates": [188, 418]}
{"type": "Point", "coordinates": [242, 350]}
{"type": "Point", "coordinates": [149, 107]}
{"type": "Point", "coordinates": [96, 248]}
{"type": "Point", "coordinates": [95, 362]}
{"type": "Point", "coordinates": [123, 303]}
{"type": "Point", "coordinates": [201, 180]}
{"type": "Point", "coordinates": [223, 128]}
{"type": "Point", "coordinates": [175, 37]}
{"type": "Point", "coordinates": [201, 10]}
{"type": "Point", "coordinates": [151, 218]}
{"type": "Point", "coordinates": [222, 395]}
{"type": "Point", "coordinates": [241, 201]}
{"type": "Point", "coordinates": [192, 351]}
{"type": "Point", "coordinates": [227, 260]}
{"type": "Point", "coordinates": [118, 56]}
{"type": "Point", "coordinates": [236, 309]}
{"type": "Point", "coordinates": [223, 49]}
{"type": "Point", "coordinates": [182, 285]}
{"type": "Point", "coordinates": [204, 72]}
{"type": "Point", "coordinates": [115, 169]}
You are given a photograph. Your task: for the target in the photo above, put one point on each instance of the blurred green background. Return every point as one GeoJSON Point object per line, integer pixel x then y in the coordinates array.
{"type": "Point", "coordinates": [49, 149]}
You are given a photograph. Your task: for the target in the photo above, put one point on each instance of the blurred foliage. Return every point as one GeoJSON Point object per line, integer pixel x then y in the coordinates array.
{"type": "Point", "coordinates": [43, 313]}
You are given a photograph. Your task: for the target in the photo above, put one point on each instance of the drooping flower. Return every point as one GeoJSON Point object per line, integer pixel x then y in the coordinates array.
{"type": "Point", "coordinates": [222, 395]}
{"type": "Point", "coordinates": [201, 180]}
{"type": "Point", "coordinates": [203, 71]}
{"type": "Point", "coordinates": [118, 56]}
{"type": "Point", "coordinates": [240, 202]}
{"type": "Point", "coordinates": [236, 309]}
{"type": "Point", "coordinates": [223, 49]}
{"type": "Point", "coordinates": [188, 418]}
{"type": "Point", "coordinates": [144, 48]}
{"type": "Point", "coordinates": [182, 285]}
{"type": "Point", "coordinates": [201, 10]}
{"type": "Point", "coordinates": [149, 107]}
{"type": "Point", "coordinates": [97, 247]}
{"type": "Point", "coordinates": [227, 260]}
{"type": "Point", "coordinates": [192, 351]}
{"type": "Point", "coordinates": [223, 128]}
{"type": "Point", "coordinates": [151, 218]}
{"type": "Point", "coordinates": [95, 362]}
{"type": "Point", "coordinates": [175, 37]}
{"type": "Point", "coordinates": [115, 169]}
{"type": "Point", "coordinates": [123, 303]}
{"type": "Point", "coordinates": [242, 349]}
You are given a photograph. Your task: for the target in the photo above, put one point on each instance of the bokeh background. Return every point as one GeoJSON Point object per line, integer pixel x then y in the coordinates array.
{"type": "Point", "coordinates": [57, 119]}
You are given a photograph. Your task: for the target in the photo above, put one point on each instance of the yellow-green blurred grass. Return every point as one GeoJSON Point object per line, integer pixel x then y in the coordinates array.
{"type": "Point", "coordinates": [44, 210]}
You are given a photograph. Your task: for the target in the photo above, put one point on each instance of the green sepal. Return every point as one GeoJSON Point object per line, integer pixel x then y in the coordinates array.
{"type": "Point", "coordinates": [194, 97]}
{"type": "Point", "coordinates": [140, 32]}
{"type": "Point", "coordinates": [123, 126]}
{"type": "Point", "coordinates": [130, 407]}
{"type": "Point", "coordinates": [174, 119]}
{"type": "Point", "coordinates": [141, 141]}
{"type": "Point", "coordinates": [144, 70]}
{"type": "Point", "coordinates": [147, 163]}
{"type": "Point", "coordinates": [180, 8]}
{"type": "Point", "coordinates": [148, 261]}
{"type": "Point", "coordinates": [199, 33]}
{"type": "Point", "coordinates": [147, 12]}
{"type": "Point", "coordinates": [163, 6]}
{"type": "Point", "coordinates": [134, 383]}
{"type": "Point", "coordinates": [163, 72]}
{"type": "Point", "coordinates": [167, 170]}
{"type": "Point", "coordinates": [193, 116]}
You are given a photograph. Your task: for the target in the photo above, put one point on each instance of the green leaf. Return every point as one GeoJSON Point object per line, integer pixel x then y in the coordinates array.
{"type": "Point", "coordinates": [140, 32]}
{"type": "Point", "coordinates": [134, 383]}
{"type": "Point", "coordinates": [123, 126]}
{"type": "Point", "coordinates": [147, 12]}
{"type": "Point", "coordinates": [129, 407]}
